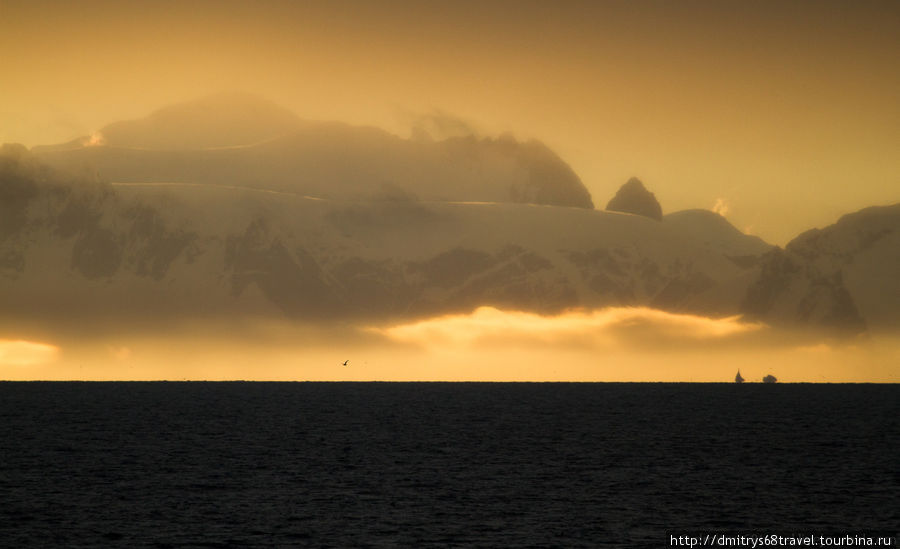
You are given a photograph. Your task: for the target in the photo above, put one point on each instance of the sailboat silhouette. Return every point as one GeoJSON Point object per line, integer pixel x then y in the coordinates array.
{"type": "Point", "coordinates": [738, 378]}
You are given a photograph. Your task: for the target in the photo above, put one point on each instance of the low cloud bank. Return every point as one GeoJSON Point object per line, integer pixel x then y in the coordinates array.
{"type": "Point", "coordinates": [613, 344]}
{"type": "Point", "coordinates": [26, 353]}
{"type": "Point", "coordinates": [611, 328]}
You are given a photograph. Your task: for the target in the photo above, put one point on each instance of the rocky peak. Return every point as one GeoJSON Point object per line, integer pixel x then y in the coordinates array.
{"type": "Point", "coordinates": [634, 198]}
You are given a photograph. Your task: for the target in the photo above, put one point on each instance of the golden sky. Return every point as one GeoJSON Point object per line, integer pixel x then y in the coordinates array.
{"type": "Point", "coordinates": [785, 113]}
{"type": "Point", "coordinates": [781, 115]}
{"type": "Point", "coordinates": [609, 345]}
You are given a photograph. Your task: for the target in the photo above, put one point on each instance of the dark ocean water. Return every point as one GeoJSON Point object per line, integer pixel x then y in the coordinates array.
{"type": "Point", "coordinates": [440, 464]}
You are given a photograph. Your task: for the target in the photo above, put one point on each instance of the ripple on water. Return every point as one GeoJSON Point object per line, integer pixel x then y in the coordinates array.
{"type": "Point", "coordinates": [437, 464]}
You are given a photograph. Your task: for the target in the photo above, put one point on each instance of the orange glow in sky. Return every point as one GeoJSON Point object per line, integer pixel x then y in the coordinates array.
{"type": "Point", "coordinates": [618, 344]}
{"type": "Point", "coordinates": [25, 353]}
{"type": "Point", "coordinates": [786, 110]}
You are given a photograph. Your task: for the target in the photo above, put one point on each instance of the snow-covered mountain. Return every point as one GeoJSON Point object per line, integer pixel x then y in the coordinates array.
{"type": "Point", "coordinates": [845, 276]}
{"type": "Point", "coordinates": [253, 211]}
{"type": "Point", "coordinates": [164, 249]}
{"type": "Point", "coordinates": [713, 231]}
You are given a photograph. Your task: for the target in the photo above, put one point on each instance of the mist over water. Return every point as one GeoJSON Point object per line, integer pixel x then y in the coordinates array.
{"type": "Point", "coordinates": [428, 465]}
{"type": "Point", "coordinates": [612, 345]}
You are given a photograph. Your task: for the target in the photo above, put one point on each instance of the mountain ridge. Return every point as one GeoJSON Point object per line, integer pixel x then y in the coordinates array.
{"type": "Point", "coordinates": [844, 277]}
{"type": "Point", "coordinates": [360, 247]}
{"type": "Point", "coordinates": [185, 250]}
{"type": "Point", "coordinates": [326, 159]}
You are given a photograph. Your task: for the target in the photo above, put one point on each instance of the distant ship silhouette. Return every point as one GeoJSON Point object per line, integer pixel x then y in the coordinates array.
{"type": "Point", "coordinates": [738, 378]}
{"type": "Point", "coordinates": [770, 379]}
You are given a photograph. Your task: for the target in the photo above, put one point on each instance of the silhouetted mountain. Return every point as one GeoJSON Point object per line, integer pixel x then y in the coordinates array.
{"type": "Point", "coordinates": [633, 198]}
{"type": "Point", "coordinates": [845, 276]}
{"type": "Point", "coordinates": [273, 150]}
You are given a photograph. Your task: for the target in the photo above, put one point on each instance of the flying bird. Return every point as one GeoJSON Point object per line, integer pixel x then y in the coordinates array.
{"type": "Point", "coordinates": [345, 363]}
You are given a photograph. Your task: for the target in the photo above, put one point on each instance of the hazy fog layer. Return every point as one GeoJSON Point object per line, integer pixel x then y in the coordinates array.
{"type": "Point", "coordinates": [784, 115]}
{"type": "Point", "coordinates": [487, 345]}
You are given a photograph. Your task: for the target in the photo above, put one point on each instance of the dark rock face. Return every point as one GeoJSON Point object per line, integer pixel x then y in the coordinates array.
{"type": "Point", "coordinates": [373, 288]}
{"type": "Point", "coordinates": [634, 198]}
{"type": "Point", "coordinates": [606, 273]}
{"type": "Point", "coordinates": [454, 267]}
{"type": "Point", "coordinates": [19, 176]}
{"type": "Point", "coordinates": [549, 180]}
{"type": "Point", "coordinates": [154, 246]}
{"type": "Point", "coordinates": [776, 276]}
{"type": "Point", "coordinates": [678, 290]}
{"type": "Point", "coordinates": [841, 277]}
{"type": "Point", "coordinates": [620, 277]}
{"type": "Point", "coordinates": [791, 289]}
{"type": "Point", "coordinates": [291, 279]}
{"type": "Point", "coordinates": [511, 277]}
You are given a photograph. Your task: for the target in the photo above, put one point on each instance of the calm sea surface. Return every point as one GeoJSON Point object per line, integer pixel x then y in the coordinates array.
{"type": "Point", "coordinates": [440, 464]}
